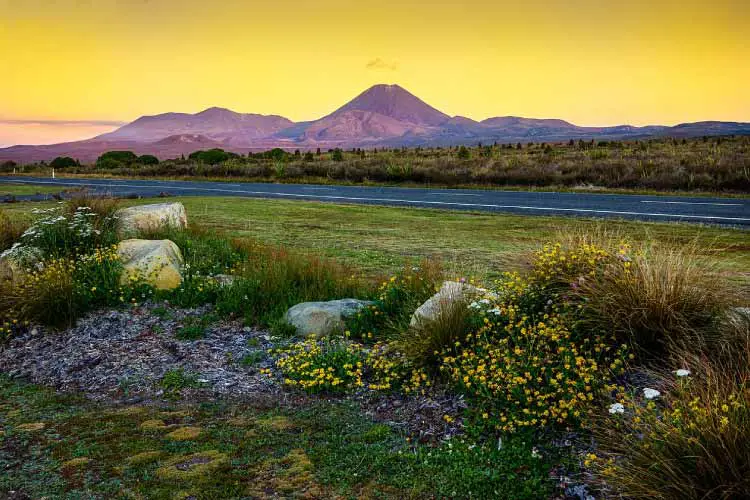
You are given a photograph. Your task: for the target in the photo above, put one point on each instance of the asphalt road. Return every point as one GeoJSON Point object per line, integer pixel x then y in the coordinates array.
{"type": "Point", "coordinates": [715, 210]}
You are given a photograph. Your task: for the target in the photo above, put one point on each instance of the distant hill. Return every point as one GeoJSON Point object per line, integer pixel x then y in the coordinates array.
{"type": "Point", "coordinates": [381, 116]}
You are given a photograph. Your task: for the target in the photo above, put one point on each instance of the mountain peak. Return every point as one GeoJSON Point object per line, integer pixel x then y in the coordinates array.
{"type": "Point", "coordinates": [395, 102]}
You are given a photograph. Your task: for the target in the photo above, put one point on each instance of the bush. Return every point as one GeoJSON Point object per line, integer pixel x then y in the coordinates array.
{"type": "Point", "coordinates": [211, 156]}
{"type": "Point", "coordinates": [112, 159]}
{"type": "Point", "coordinates": [148, 160]}
{"type": "Point", "coordinates": [692, 442]}
{"type": "Point", "coordinates": [63, 162]}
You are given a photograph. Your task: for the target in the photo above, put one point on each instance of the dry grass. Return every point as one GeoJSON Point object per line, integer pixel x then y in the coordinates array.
{"type": "Point", "coordinates": [659, 297]}
{"type": "Point", "coordinates": [421, 343]}
{"type": "Point", "coordinates": [693, 443]}
{"type": "Point", "coordinates": [10, 230]}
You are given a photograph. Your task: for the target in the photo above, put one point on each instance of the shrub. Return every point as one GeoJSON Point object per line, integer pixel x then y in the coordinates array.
{"type": "Point", "coordinates": [692, 442]}
{"type": "Point", "coordinates": [116, 158]}
{"type": "Point", "coordinates": [531, 365]}
{"type": "Point", "coordinates": [59, 233]}
{"type": "Point", "coordinates": [211, 156]}
{"type": "Point", "coordinates": [337, 366]}
{"type": "Point", "coordinates": [57, 291]}
{"type": "Point", "coordinates": [63, 162]}
{"type": "Point", "coordinates": [148, 160]}
{"type": "Point", "coordinates": [318, 366]}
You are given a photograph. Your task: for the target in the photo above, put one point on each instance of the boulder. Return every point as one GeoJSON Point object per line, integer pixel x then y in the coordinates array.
{"type": "Point", "coordinates": [323, 318]}
{"type": "Point", "coordinates": [132, 220]}
{"type": "Point", "coordinates": [156, 262]}
{"type": "Point", "coordinates": [450, 291]}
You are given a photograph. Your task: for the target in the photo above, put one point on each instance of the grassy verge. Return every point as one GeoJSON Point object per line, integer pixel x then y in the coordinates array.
{"type": "Point", "coordinates": [62, 446]}
{"type": "Point", "coordinates": [26, 189]}
{"type": "Point", "coordinates": [380, 239]}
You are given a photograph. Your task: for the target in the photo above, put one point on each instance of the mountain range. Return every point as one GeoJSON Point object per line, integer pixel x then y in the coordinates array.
{"type": "Point", "coordinates": [381, 116]}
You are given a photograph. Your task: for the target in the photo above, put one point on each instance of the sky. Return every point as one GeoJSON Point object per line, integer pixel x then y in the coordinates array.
{"type": "Point", "coordinates": [71, 69]}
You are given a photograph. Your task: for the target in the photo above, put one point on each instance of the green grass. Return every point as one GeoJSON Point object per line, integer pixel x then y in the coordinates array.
{"type": "Point", "coordinates": [27, 189]}
{"type": "Point", "coordinates": [322, 450]}
{"type": "Point", "coordinates": [381, 239]}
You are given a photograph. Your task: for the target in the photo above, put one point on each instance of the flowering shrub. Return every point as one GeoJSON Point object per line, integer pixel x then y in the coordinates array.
{"type": "Point", "coordinates": [530, 365]}
{"type": "Point", "coordinates": [339, 366]}
{"type": "Point", "coordinates": [691, 440]}
{"type": "Point", "coordinates": [58, 290]}
{"type": "Point", "coordinates": [58, 234]}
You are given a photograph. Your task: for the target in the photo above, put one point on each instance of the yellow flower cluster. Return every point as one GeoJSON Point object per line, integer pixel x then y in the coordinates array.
{"type": "Point", "coordinates": [339, 366]}
{"type": "Point", "coordinates": [531, 374]}
{"type": "Point", "coordinates": [317, 366]}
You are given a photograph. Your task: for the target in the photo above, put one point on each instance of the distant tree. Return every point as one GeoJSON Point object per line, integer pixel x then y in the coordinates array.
{"type": "Point", "coordinates": [571, 143]}
{"type": "Point", "coordinates": [309, 156]}
{"type": "Point", "coordinates": [8, 166]}
{"type": "Point", "coordinates": [317, 152]}
{"type": "Point", "coordinates": [463, 153]}
{"type": "Point", "coordinates": [519, 146]}
{"type": "Point", "coordinates": [337, 155]}
{"type": "Point", "coordinates": [277, 154]}
{"type": "Point", "coordinates": [63, 162]}
{"type": "Point", "coordinates": [210, 156]}
{"type": "Point", "coordinates": [112, 159]}
{"type": "Point", "coordinates": [297, 153]}
{"type": "Point", "coordinates": [148, 160]}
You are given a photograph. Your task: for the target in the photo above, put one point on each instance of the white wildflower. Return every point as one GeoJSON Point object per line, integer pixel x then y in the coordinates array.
{"type": "Point", "coordinates": [682, 372]}
{"type": "Point", "coordinates": [616, 408]}
{"type": "Point", "coordinates": [651, 393]}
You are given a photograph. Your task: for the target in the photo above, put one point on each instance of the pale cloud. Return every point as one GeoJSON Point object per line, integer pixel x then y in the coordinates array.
{"type": "Point", "coordinates": [379, 64]}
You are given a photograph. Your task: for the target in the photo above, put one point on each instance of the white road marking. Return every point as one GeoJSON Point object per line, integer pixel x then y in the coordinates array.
{"type": "Point", "coordinates": [694, 203]}
{"type": "Point", "coordinates": [420, 202]}
{"type": "Point", "coordinates": [454, 194]}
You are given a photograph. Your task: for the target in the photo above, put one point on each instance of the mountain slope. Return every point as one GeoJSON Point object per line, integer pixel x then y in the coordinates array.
{"type": "Point", "coordinates": [219, 124]}
{"type": "Point", "coordinates": [381, 116]}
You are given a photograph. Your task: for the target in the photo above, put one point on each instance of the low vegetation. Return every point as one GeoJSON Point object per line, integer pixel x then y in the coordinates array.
{"type": "Point", "coordinates": [633, 352]}
{"type": "Point", "coordinates": [704, 164]}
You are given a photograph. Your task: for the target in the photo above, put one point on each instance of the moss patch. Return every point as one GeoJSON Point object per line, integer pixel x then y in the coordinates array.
{"type": "Point", "coordinates": [276, 423]}
{"type": "Point", "coordinates": [153, 425]}
{"type": "Point", "coordinates": [76, 463]}
{"type": "Point", "coordinates": [31, 427]}
{"type": "Point", "coordinates": [193, 467]}
{"type": "Point", "coordinates": [291, 474]}
{"type": "Point", "coordinates": [184, 434]}
{"type": "Point", "coordinates": [144, 458]}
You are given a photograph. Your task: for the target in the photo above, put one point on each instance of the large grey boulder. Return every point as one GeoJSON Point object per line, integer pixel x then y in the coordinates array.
{"type": "Point", "coordinates": [158, 216]}
{"type": "Point", "coordinates": [323, 318]}
{"type": "Point", "coordinates": [156, 262]}
{"type": "Point", "coordinates": [450, 292]}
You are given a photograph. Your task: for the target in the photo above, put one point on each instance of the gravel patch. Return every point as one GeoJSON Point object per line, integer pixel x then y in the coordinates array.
{"type": "Point", "coordinates": [122, 355]}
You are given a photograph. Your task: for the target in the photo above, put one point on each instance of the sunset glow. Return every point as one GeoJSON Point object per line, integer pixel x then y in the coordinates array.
{"type": "Point", "coordinates": [589, 62]}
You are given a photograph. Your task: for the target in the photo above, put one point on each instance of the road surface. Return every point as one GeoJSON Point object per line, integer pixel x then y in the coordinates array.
{"type": "Point", "coordinates": [714, 210]}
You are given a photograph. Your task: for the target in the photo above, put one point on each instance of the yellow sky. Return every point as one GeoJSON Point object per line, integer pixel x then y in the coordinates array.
{"type": "Point", "coordinates": [636, 62]}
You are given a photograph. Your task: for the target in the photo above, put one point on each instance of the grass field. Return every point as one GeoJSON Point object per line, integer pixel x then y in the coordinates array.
{"type": "Point", "coordinates": [381, 239]}
{"type": "Point", "coordinates": [25, 189]}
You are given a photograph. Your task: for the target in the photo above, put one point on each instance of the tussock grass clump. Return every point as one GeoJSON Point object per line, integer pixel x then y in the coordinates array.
{"type": "Point", "coordinates": [658, 298]}
{"type": "Point", "coordinates": [423, 343]}
{"type": "Point", "coordinates": [10, 231]}
{"type": "Point", "coordinates": [692, 442]}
